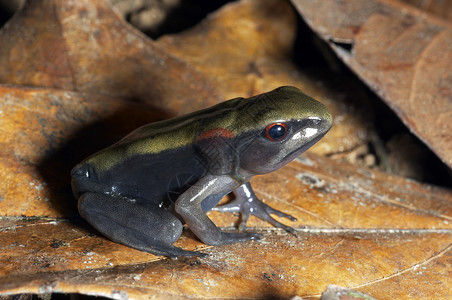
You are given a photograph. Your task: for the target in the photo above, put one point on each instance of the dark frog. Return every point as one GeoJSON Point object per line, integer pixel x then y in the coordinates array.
{"type": "Point", "coordinates": [139, 191]}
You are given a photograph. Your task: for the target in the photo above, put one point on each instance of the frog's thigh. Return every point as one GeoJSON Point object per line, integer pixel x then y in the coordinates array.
{"type": "Point", "coordinates": [151, 230]}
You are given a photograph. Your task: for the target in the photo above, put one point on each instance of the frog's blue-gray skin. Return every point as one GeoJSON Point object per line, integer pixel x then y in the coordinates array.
{"type": "Point", "coordinates": [139, 191]}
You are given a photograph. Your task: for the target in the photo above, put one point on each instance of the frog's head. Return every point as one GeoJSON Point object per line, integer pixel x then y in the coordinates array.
{"type": "Point", "coordinates": [282, 124]}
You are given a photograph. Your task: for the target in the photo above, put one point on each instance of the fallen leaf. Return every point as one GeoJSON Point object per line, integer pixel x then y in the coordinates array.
{"type": "Point", "coordinates": [438, 8]}
{"type": "Point", "coordinates": [250, 45]}
{"type": "Point", "coordinates": [403, 54]}
{"type": "Point", "coordinates": [357, 228]}
{"type": "Point", "coordinates": [85, 46]}
{"type": "Point", "coordinates": [45, 132]}
{"type": "Point", "coordinates": [351, 245]}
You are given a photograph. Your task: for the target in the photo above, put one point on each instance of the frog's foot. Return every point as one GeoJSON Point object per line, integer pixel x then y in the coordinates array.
{"type": "Point", "coordinates": [247, 204]}
{"type": "Point", "coordinates": [233, 237]}
{"type": "Point", "coordinates": [159, 249]}
{"type": "Point", "coordinates": [149, 230]}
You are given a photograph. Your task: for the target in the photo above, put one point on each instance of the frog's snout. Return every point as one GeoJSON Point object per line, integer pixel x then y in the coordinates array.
{"type": "Point", "coordinates": [79, 172]}
{"type": "Point", "coordinates": [83, 179]}
{"type": "Point", "coordinates": [326, 121]}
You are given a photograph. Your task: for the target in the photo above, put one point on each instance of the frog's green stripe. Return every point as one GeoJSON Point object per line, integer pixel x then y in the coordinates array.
{"type": "Point", "coordinates": [236, 116]}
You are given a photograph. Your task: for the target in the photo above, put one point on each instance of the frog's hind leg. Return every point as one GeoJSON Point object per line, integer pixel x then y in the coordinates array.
{"type": "Point", "coordinates": [150, 230]}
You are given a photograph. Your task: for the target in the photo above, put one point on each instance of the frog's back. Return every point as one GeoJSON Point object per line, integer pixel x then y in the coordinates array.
{"type": "Point", "coordinates": [175, 134]}
{"type": "Point", "coordinates": [156, 162]}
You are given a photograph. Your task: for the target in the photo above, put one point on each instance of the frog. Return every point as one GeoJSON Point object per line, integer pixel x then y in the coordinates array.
{"type": "Point", "coordinates": [165, 176]}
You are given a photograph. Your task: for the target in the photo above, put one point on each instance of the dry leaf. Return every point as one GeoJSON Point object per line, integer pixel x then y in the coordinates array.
{"type": "Point", "coordinates": [352, 245]}
{"type": "Point", "coordinates": [85, 46]}
{"type": "Point", "coordinates": [44, 133]}
{"type": "Point", "coordinates": [438, 8]}
{"type": "Point", "coordinates": [249, 52]}
{"type": "Point", "coordinates": [382, 235]}
{"type": "Point", "coordinates": [404, 54]}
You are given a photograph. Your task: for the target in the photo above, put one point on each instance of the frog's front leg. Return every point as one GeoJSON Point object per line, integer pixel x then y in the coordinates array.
{"type": "Point", "coordinates": [247, 203]}
{"type": "Point", "coordinates": [152, 230]}
{"type": "Point", "coordinates": [188, 206]}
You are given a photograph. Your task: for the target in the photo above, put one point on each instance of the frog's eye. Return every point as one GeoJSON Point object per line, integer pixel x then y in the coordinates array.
{"type": "Point", "coordinates": [276, 131]}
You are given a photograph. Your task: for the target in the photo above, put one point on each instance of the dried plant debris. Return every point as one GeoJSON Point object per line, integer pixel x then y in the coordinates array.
{"type": "Point", "coordinates": [76, 78]}
{"type": "Point", "coordinates": [402, 53]}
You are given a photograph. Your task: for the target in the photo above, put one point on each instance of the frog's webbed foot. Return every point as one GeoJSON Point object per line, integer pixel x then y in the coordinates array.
{"type": "Point", "coordinates": [247, 204]}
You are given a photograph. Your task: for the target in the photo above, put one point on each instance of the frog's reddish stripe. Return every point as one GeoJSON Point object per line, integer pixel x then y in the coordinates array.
{"type": "Point", "coordinates": [216, 132]}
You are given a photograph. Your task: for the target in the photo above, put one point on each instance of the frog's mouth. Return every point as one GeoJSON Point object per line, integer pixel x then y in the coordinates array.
{"type": "Point", "coordinates": [312, 135]}
{"type": "Point", "coordinates": [294, 153]}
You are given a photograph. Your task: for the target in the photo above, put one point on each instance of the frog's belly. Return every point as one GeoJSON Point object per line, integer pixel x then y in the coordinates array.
{"type": "Point", "coordinates": [157, 179]}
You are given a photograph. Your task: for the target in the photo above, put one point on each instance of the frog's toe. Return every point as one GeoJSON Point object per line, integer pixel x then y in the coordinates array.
{"type": "Point", "coordinates": [278, 224]}
{"type": "Point", "coordinates": [278, 213]}
{"type": "Point", "coordinates": [265, 215]}
{"type": "Point", "coordinates": [248, 204]}
{"type": "Point", "coordinates": [161, 249]}
{"type": "Point", "coordinates": [220, 238]}
{"type": "Point", "coordinates": [264, 212]}
{"type": "Point", "coordinates": [233, 237]}
{"type": "Point", "coordinates": [175, 252]}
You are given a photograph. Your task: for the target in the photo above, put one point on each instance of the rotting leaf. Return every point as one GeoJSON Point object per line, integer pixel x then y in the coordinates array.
{"type": "Point", "coordinates": [85, 46]}
{"type": "Point", "coordinates": [403, 54]}
{"type": "Point", "coordinates": [373, 232]}
{"type": "Point", "coordinates": [250, 52]}
{"type": "Point", "coordinates": [45, 132]}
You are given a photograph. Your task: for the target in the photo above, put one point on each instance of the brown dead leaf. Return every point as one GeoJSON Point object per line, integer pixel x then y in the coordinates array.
{"type": "Point", "coordinates": [45, 132]}
{"type": "Point", "coordinates": [402, 53]}
{"type": "Point", "coordinates": [249, 49]}
{"type": "Point", "coordinates": [352, 245]}
{"type": "Point", "coordinates": [442, 9]}
{"type": "Point", "coordinates": [85, 46]}
{"type": "Point", "coordinates": [366, 230]}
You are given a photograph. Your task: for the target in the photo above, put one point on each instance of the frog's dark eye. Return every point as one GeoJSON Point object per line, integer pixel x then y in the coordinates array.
{"type": "Point", "coordinates": [276, 131]}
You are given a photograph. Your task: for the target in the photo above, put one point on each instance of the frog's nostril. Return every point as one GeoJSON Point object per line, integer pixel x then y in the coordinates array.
{"type": "Point", "coordinates": [81, 171]}
{"type": "Point", "coordinates": [76, 172]}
